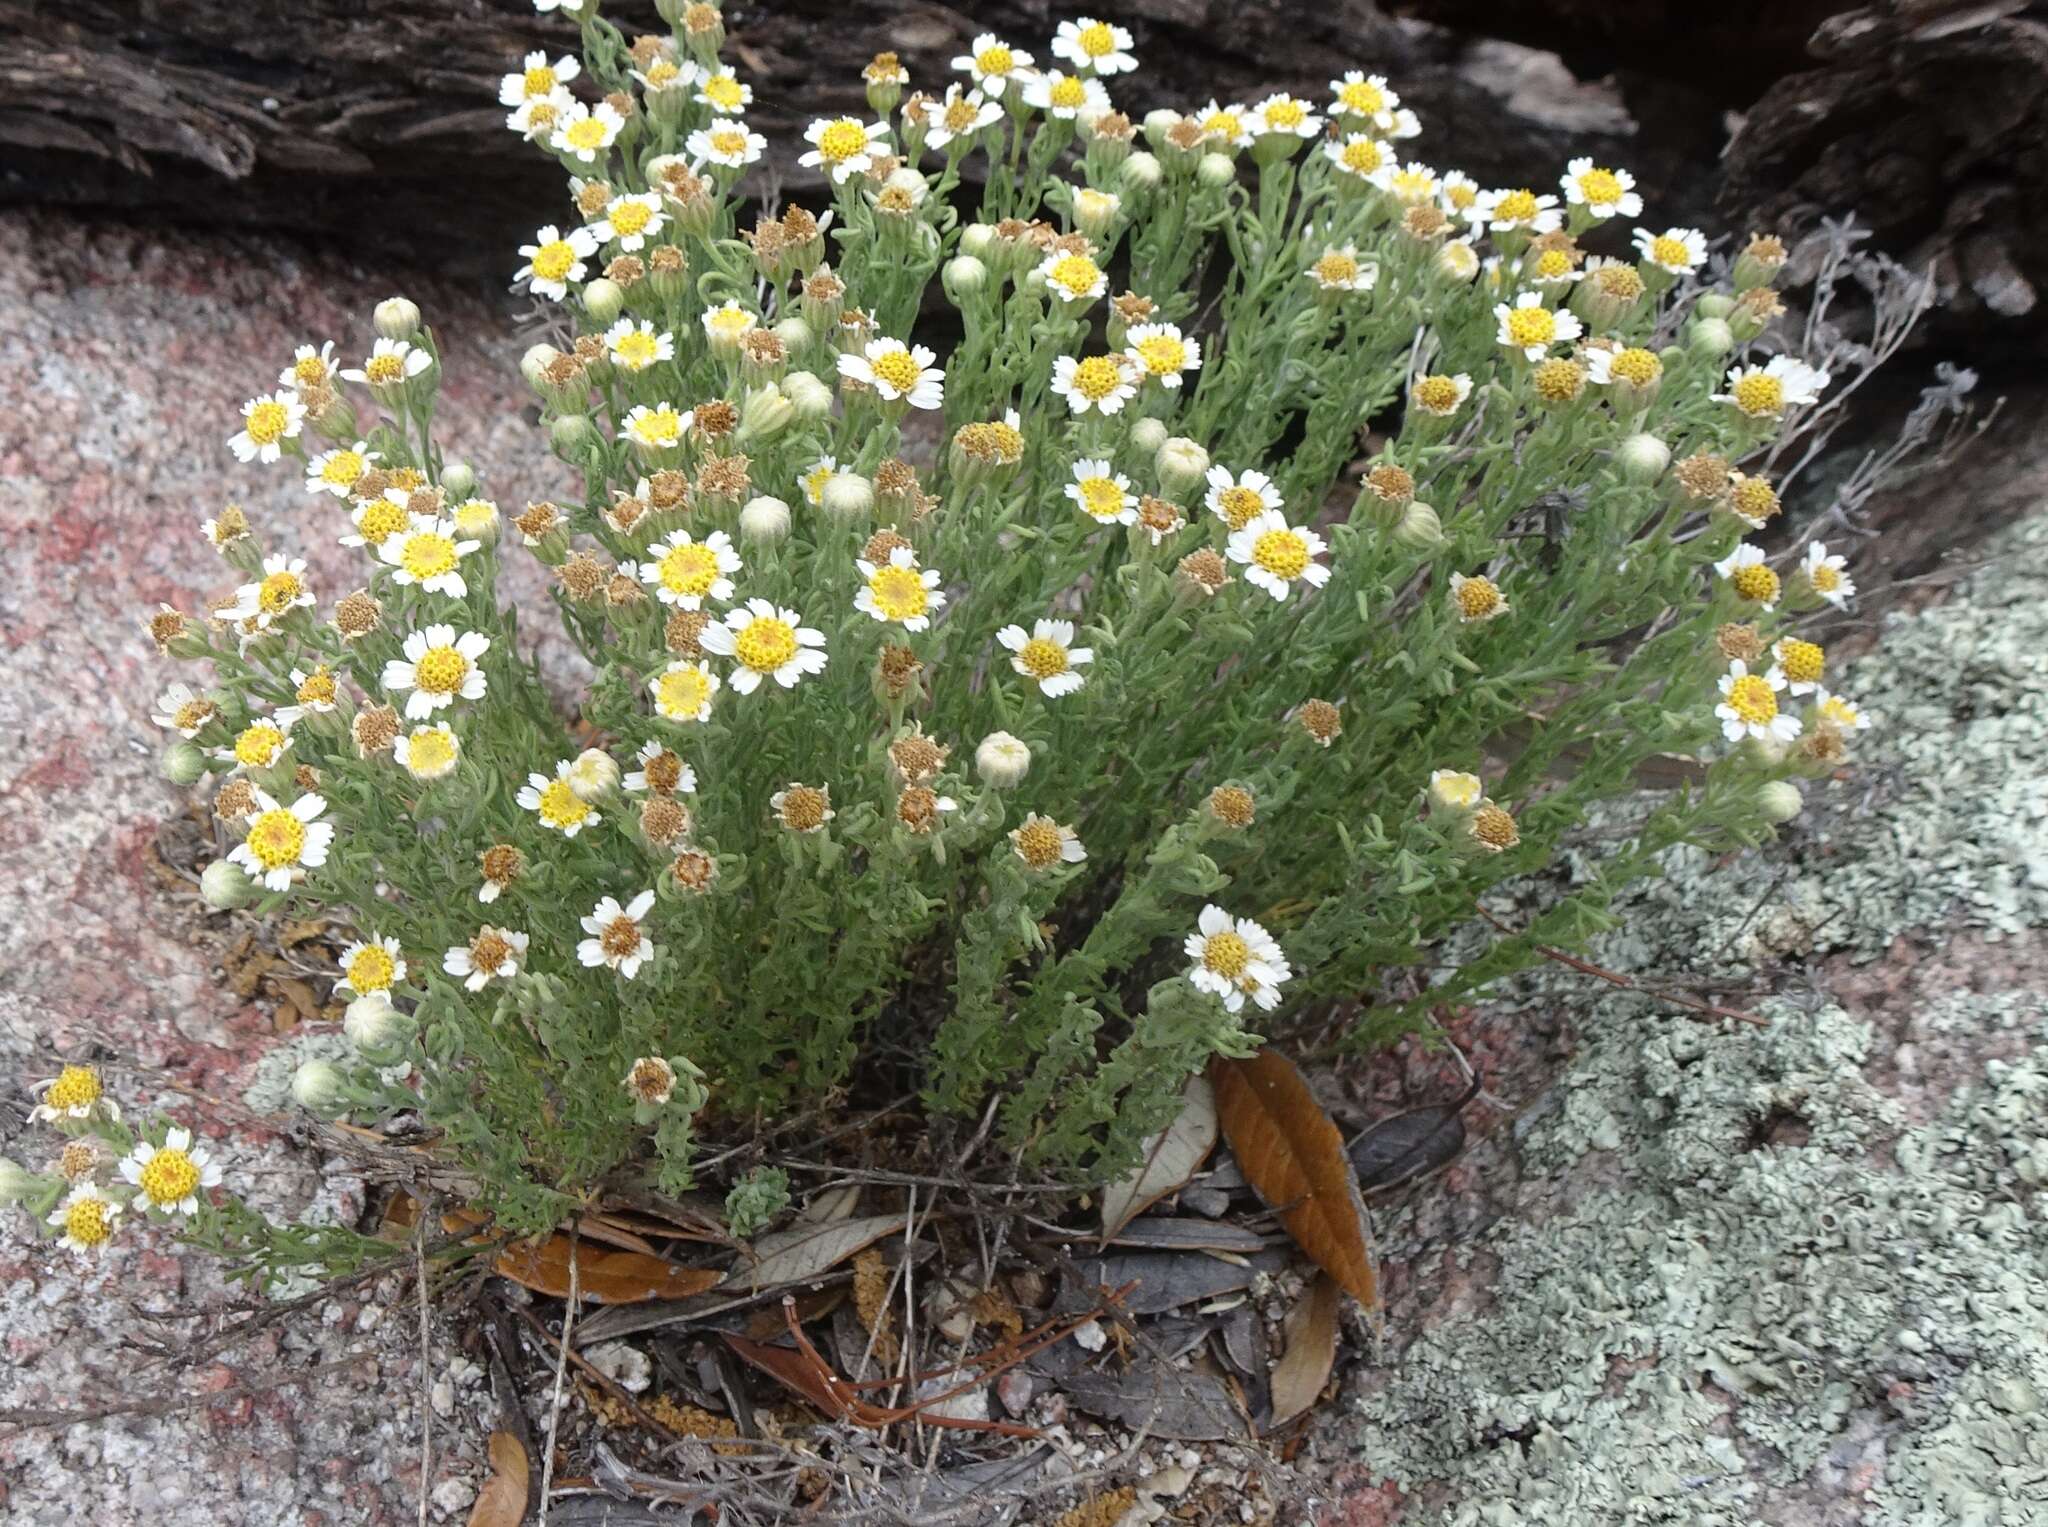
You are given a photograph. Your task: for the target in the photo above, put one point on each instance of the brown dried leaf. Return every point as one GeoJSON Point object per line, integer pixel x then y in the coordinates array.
{"type": "Point", "coordinates": [605, 1277]}
{"type": "Point", "coordinates": [807, 1251]}
{"type": "Point", "coordinates": [1172, 1156]}
{"type": "Point", "coordinates": [1293, 1156]}
{"type": "Point", "coordinates": [502, 1501]}
{"type": "Point", "coordinates": [1304, 1368]}
{"type": "Point", "coordinates": [871, 1303]}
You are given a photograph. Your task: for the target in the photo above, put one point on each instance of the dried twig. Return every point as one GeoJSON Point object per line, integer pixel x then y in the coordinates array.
{"type": "Point", "coordinates": [547, 1464]}
{"type": "Point", "coordinates": [29, 1417]}
{"type": "Point", "coordinates": [1630, 983]}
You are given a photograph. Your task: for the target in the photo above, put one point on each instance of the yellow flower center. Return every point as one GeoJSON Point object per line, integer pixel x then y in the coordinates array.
{"type": "Point", "coordinates": [898, 368]}
{"type": "Point", "coordinates": [193, 714]}
{"type": "Point", "coordinates": [428, 555]}
{"type": "Point", "coordinates": [1461, 195]}
{"type": "Point", "coordinates": [620, 938]}
{"type": "Point", "coordinates": [276, 838]}
{"type": "Point", "coordinates": [1559, 381]}
{"type": "Point", "coordinates": [1067, 93]}
{"type": "Point", "coordinates": [1076, 275]}
{"type": "Point", "coordinates": [1839, 711]}
{"type": "Point", "coordinates": [842, 140]}
{"type": "Point", "coordinates": [1412, 185]}
{"type": "Point", "coordinates": [1553, 263]}
{"type": "Point", "coordinates": [1438, 394]}
{"type": "Point", "coordinates": [341, 469]}
{"type": "Point", "coordinates": [1755, 582]}
{"type": "Point", "coordinates": [1600, 188]}
{"type": "Point", "coordinates": [476, 516]}
{"type": "Point", "coordinates": [75, 1087]}
{"type": "Point", "coordinates": [280, 591]}
{"type": "Point", "coordinates": [1361, 156]}
{"type": "Point", "coordinates": [1825, 579]}
{"type": "Point", "coordinates": [1759, 393]}
{"type": "Point", "coordinates": [689, 569]}
{"type": "Point", "coordinates": [1753, 700]}
{"type": "Point", "coordinates": [267, 421]}
{"type": "Point", "coordinates": [683, 692]}
{"type": "Point", "coordinates": [1101, 497]}
{"type": "Point", "coordinates": [441, 670]}
{"type": "Point", "coordinates": [1042, 657]}
{"type": "Point", "coordinates": [767, 643]}
{"type": "Point", "coordinates": [553, 262]}
{"type": "Point", "coordinates": [803, 808]}
{"type": "Point", "coordinates": [1516, 207]}
{"type": "Point", "coordinates": [729, 141]}
{"type": "Point", "coordinates": [1803, 662]}
{"type": "Point", "coordinates": [381, 369]}
{"type": "Point", "coordinates": [1038, 843]}
{"type": "Point", "coordinates": [381, 520]}
{"type": "Point", "coordinates": [561, 807]}
{"type": "Point", "coordinates": [1336, 269]}
{"type": "Point", "coordinates": [1362, 98]}
{"type": "Point", "coordinates": [371, 970]}
{"type": "Point", "coordinates": [1531, 326]}
{"type": "Point", "coordinates": [1282, 553]}
{"type": "Point", "coordinates": [1635, 365]}
{"type": "Point", "coordinates": [1619, 281]}
{"type": "Point", "coordinates": [317, 688]}
{"type": "Point", "coordinates": [308, 371]}
{"type": "Point", "coordinates": [899, 592]}
{"type": "Point", "coordinates": [1227, 125]}
{"type": "Point", "coordinates": [539, 80]}
{"type": "Point", "coordinates": [587, 133]}
{"type": "Point", "coordinates": [541, 118]}
{"type": "Point", "coordinates": [431, 750]}
{"type": "Point", "coordinates": [663, 427]}
{"type": "Point", "coordinates": [995, 59]}
{"type": "Point", "coordinates": [629, 217]}
{"type": "Point", "coordinates": [1098, 377]}
{"type": "Point", "coordinates": [1286, 114]}
{"type": "Point", "coordinates": [637, 350]}
{"type": "Point", "coordinates": [258, 745]}
{"type": "Point", "coordinates": [1162, 354]}
{"type": "Point", "coordinates": [1667, 251]}
{"type": "Point", "coordinates": [660, 73]}
{"type": "Point", "coordinates": [1754, 499]}
{"type": "Point", "coordinates": [1097, 41]}
{"type": "Point", "coordinates": [1478, 598]}
{"type": "Point", "coordinates": [1226, 954]}
{"type": "Point", "coordinates": [960, 115]}
{"type": "Point", "coordinates": [88, 1222]}
{"type": "Point", "coordinates": [723, 91]}
{"type": "Point", "coordinates": [1239, 505]}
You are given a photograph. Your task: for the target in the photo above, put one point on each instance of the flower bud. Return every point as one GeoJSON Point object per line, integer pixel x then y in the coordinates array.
{"type": "Point", "coordinates": [1181, 465]}
{"type": "Point", "coordinates": [978, 240]}
{"type": "Point", "coordinates": [1712, 337]}
{"type": "Point", "coordinates": [1148, 435]}
{"type": "Point", "coordinates": [16, 1183]}
{"type": "Point", "coordinates": [319, 1087]}
{"type": "Point", "coordinates": [594, 775]}
{"type": "Point", "coordinates": [764, 520]}
{"type": "Point", "coordinates": [1215, 172]}
{"type": "Point", "coordinates": [795, 334]}
{"type": "Point", "coordinates": [1095, 212]}
{"type": "Point", "coordinates": [764, 414]}
{"type": "Point", "coordinates": [1419, 528]}
{"type": "Point", "coordinates": [396, 318]}
{"type": "Point", "coordinates": [1140, 173]}
{"type": "Point", "coordinates": [378, 1030]}
{"type": "Point", "coordinates": [847, 496]}
{"type": "Point", "coordinates": [183, 763]}
{"type": "Point", "coordinates": [603, 300]}
{"type": "Point", "coordinates": [1642, 459]}
{"type": "Point", "coordinates": [1452, 793]}
{"type": "Point", "coordinates": [458, 481]}
{"type": "Point", "coordinates": [808, 395]}
{"type": "Point", "coordinates": [1002, 760]}
{"type": "Point", "coordinates": [571, 435]}
{"type": "Point", "coordinates": [1779, 800]}
{"type": "Point", "coordinates": [1760, 261]}
{"type": "Point", "coordinates": [1157, 124]}
{"type": "Point", "coordinates": [223, 886]}
{"type": "Point", "coordinates": [963, 277]}
{"type": "Point", "coordinates": [1713, 305]}
{"type": "Point", "coordinates": [533, 365]}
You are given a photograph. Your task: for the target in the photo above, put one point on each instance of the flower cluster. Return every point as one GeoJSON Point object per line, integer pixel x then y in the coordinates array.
{"type": "Point", "coordinates": [1064, 700]}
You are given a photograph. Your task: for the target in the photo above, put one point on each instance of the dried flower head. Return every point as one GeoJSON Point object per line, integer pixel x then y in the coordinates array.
{"type": "Point", "coordinates": [1232, 806]}
{"type": "Point", "coordinates": [1323, 722]}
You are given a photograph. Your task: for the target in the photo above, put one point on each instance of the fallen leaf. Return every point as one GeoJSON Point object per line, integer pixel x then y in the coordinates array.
{"type": "Point", "coordinates": [1304, 1368]}
{"type": "Point", "coordinates": [1175, 1233]}
{"type": "Point", "coordinates": [808, 1251]}
{"type": "Point", "coordinates": [502, 1500]}
{"type": "Point", "coordinates": [1165, 1401]}
{"type": "Point", "coordinates": [1167, 1280]}
{"type": "Point", "coordinates": [1293, 1157]}
{"type": "Point", "coordinates": [1172, 1156]}
{"type": "Point", "coordinates": [604, 1277]}
{"type": "Point", "coordinates": [1412, 1144]}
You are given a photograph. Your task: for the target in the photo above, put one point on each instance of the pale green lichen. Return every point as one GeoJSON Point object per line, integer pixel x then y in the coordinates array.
{"type": "Point", "coordinates": [1741, 1287]}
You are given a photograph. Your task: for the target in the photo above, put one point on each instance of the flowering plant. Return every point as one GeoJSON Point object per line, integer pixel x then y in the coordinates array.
{"type": "Point", "coordinates": [1286, 542]}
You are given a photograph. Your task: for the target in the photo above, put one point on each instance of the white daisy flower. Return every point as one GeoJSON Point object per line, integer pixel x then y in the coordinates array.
{"type": "Point", "coordinates": [767, 642]}
{"type": "Point", "coordinates": [493, 955]}
{"type": "Point", "coordinates": [1101, 493]}
{"type": "Point", "coordinates": [1073, 278]}
{"type": "Point", "coordinates": [1102, 383]}
{"type": "Point", "coordinates": [1750, 575]}
{"type": "Point", "coordinates": [585, 132]}
{"type": "Point", "coordinates": [1359, 157]}
{"type": "Point", "coordinates": [897, 371]}
{"type": "Point", "coordinates": [1065, 96]}
{"type": "Point", "coordinates": [556, 802]}
{"type": "Point", "coordinates": [1284, 116]}
{"type": "Point", "coordinates": [1516, 211]}
{"type": "Point", "coordinates": [992, 64]}
{"type": "Point", "coordinates": [179, 709]}
{"type": "Point", "coordinates": [281, 590]}
{"type": "Point", "coordinates": [390, 365]}
{"type": "Point", "coordinates": [1459, 194]}
{"type": "Point", "coordinates": [428, 752]}
{"type": "Point", "coordinates": [1235, 958]}
{"type": "Point", "coordinates": [1799, 663]}
{"type": "Point", "coordinates": [1440, 395]}
{"type": "Point", "coordinates": [1749, 706]}
{"type": "Point", "coordinates": [727, 324]}
{"type": "Point", "coordinates": [1828, 576]}
{"type": "Point", "coordinates": [811, 481]}
{"type": "Point", "coordinates": [1277, 555]}
{"type": "Point", "coordinates": [1099, 45]}
{"type": "Point", "coordinates": [1532, 328]}
{"type": "Point", "coordinates": [961, 117]}
{"type": "Point", "coordinates": [724, 92]}
{"type": "Point", "coordinates": [429, 553]}
{"type": "Point", "coordinates": [1238, 498]}
{"type": "Point", "coordinates": [1603, 193]}
{"type": "Point", "coordinates": [310, 367]}
{"type": "Point", "coordinates": [1765, 392]}
{"type": "Point", "coordinates": [75, 1092]}
{"type": "Point", "coordinates": [85, 1220]}
{"type": "Point", "coordinates": [636, 346]}
{"type": "Point", "coordinates": [630, 221]}
{"type": "Point", "coordinates": [1040, 843]}
{"type": "Point", "coordinates": [259, 745]}
{"type": "Point", "coordinates": [660, 771]}
{"type": "Point", "coordinates": [1458, 260]}
{"type": "Point", "coordinates": [439, 667]}
{"type": "Point", "coordinates": [899, 590]}
{"type": "Point", "coordinates": [534, 120]}
{"type": "Point", "coordinates": [1477, 599]}
{"type": "Point", "coordinates": [554, 259]}
{"type": "Point", "coordinates": [726, 142]}
{"type": "Point", "coordinates": [282, 842]}
{"type": "Point", "coordinates": [1359, 97]}
{"type": "Point", "coordinates": [685, 572]}
{"type": "Point", "coordinates": [371, 967]}
{"type": "Point", "coordinates": [842, 146]}
{"type": "Point", "coordinates": [335, 471]}
{"type": "Point", "coordinates": [1162, 353]}
{"type": "Point", "coordinates": [1413, 184]}
{"type": "Point", "coordinates": [537, 79]}
{"type": "Point", "coordinates": [1838, 711]}
{"type": "Point", "coordinates": [268, 420]}
{"type": "Point", "coordinates": [1229, 126]}
{"type": "Point", "coordinates": [1047, 656]}
{"type": "Point", "coordinates": [314, 694]}
{"type": "Point", "coordinates": [378, 519]}
{"type": "Point", "coordinates": [616, 937]}
{"type": "Point", "coordinates": [664, 74]}
{"type": "Point", "coordinates": [1678, 251]}
{"type": "Point", "coordinates": [1339, 269]}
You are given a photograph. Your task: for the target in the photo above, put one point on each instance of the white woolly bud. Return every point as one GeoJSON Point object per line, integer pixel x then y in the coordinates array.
{"type": "Point", "coordinates": [223, 886]}
{"type": "Point", "coordinates": [319, 1087]}
{"type": "Point", "coordinates": [1643, 459]}
{"type": "Point", "coordinates": [1181, 464]}
{"type": "Point", "coordinates": [810, 397]}
{"type": "Point", "coordinates": [594, 775]}
{"type": "Point", "coordinates": [396, 318]}
{"type": "Point", "coordinates": [603, 299]}
{"type": "Point", "coordinates": [764, 520]}
{"type": "Point", "coordinates": [1148, 435]}
{"type": "Point", "coordinates": [847, 496]}
{"type": "Point", "coordinates": [1002, 760]}
{"type": "Point", "coordinates": [1779, 800]}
